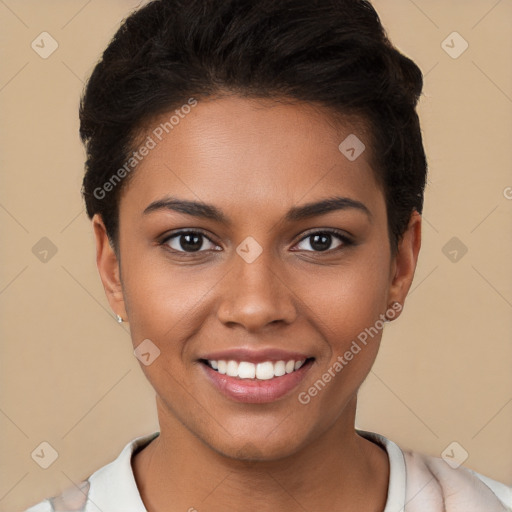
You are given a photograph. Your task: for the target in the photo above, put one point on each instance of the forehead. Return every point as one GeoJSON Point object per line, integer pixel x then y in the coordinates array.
{"type": "Point", "coordinates": [246, 152]}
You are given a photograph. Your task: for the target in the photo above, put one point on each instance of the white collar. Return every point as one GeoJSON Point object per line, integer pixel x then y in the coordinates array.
{"type": "Point", "coordinates": [397, 471]}
{"type": "Point", "coordinates": [113, 487]}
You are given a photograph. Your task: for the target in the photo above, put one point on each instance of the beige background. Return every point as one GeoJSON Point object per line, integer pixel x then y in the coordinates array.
{"type": "Point", "coordinates": [68, 373]}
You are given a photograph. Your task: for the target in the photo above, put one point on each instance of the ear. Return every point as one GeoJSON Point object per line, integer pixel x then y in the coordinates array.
{"type": "Point", "coordinates": [404, 262]}
{"type": "Point", "coordinates": [108, 267]}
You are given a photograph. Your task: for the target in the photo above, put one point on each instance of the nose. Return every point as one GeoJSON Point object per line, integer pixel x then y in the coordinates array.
{"type": "Point", "coordinates": [256, 294]}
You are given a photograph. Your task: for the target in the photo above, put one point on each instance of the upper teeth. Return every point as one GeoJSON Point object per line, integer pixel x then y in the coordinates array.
{"type": "Point", "coordinates": [262, 371]}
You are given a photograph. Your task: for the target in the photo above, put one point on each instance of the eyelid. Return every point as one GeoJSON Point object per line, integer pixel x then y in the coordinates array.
{"type": "Point", "coordinates": [186, 230]}
{"type": "Point", "coordinates": [333, 231]}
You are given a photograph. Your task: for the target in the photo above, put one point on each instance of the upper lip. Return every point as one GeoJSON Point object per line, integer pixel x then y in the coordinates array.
{"type": "Point", "coordinates": [254, 356]}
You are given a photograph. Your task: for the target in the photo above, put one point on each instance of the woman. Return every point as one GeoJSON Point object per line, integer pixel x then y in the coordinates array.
{"type": "Point", "coordinates": [255, 175]}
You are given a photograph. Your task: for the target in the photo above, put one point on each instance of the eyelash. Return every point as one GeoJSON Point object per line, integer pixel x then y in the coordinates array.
{"type": "Point", "coordinates": [346, 241]}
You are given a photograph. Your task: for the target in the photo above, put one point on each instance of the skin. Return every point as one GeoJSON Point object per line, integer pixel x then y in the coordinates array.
{"type": "Point", "coordinates": [254, 160]}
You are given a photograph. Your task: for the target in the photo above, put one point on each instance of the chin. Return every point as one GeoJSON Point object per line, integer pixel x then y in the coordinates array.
{"type": "Point", "coordinates": [258, 445]}
{"type": "Point", "coordinates": [254, 451]}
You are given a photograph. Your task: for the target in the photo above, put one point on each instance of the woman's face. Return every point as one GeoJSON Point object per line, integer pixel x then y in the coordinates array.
{"type": "Point", "coordinates": [263, 280]}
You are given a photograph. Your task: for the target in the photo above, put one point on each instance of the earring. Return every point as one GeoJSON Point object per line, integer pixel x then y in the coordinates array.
{"type": "Point", "coordinates": [119, 319]}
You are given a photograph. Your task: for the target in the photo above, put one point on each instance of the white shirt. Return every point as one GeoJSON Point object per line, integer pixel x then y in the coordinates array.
{"type": "Point", "coordinates": [417, 483]}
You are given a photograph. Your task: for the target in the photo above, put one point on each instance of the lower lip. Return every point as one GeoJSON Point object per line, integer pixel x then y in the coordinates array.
{"type": "Point", "coordinates": [256, 391]}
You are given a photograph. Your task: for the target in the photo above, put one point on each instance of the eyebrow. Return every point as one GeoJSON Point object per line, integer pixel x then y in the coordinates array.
{"type": "Point", "coordinates": [209, 211]}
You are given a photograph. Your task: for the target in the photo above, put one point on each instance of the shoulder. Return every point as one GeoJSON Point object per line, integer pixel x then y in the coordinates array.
{"type": "Point", "coordinates": [43, 506]}
{"type": "Point", "coordinates": [432, 481]}
{"type": "Point", "coordinates": [420, 482]}
{"type": "Point", "coordinates": [111, 488]}
{"type": "Point", "coordinates": [72, 499]}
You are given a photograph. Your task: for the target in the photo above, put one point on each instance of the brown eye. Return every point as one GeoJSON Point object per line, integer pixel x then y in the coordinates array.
{"type": "Point", "coordinates": [188, 241]}
{"type": "Point", "coordinates": [320, 241]}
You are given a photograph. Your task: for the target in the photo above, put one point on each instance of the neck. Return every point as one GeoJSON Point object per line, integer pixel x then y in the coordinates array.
{"type": "Point", "coordinates": [340, 470]}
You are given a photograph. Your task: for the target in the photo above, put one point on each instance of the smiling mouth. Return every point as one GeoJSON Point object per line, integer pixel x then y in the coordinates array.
{"type": "Point", "coordinates": [266, 370]}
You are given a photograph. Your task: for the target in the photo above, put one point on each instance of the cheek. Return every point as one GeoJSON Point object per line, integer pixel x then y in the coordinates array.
{"type": "Point", "coordinates": [350, 311]}
{"type": "Point", "coordinates": [168, 301]}
{"type": "Point", "coordinates": [354, 296]}
{"type": "Point", "coordinates": [165, 302]}
{"type": "Point", "coordinates": [350, 317]}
